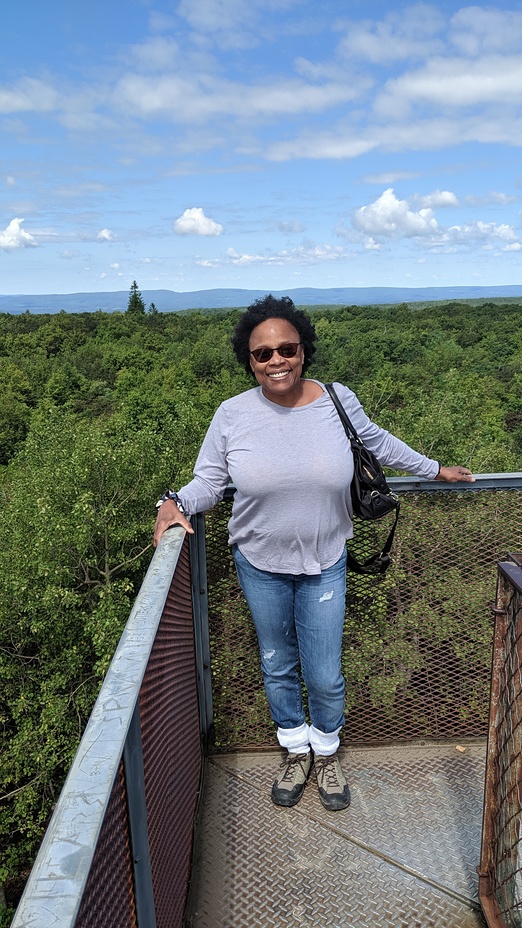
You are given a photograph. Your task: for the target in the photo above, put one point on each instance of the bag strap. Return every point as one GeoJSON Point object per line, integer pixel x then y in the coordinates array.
{"type": "Point", "coordinates": [377, 563]}
{"type": "Point", "coordinates": [343, 415]}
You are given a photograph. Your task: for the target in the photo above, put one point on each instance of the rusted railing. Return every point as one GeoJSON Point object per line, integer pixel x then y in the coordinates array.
{"type": "Point", "coordinates": [500, 874]}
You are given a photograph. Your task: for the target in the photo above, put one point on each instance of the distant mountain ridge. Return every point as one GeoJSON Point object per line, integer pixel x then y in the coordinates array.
{"type": "Point", "coordinates": [174, 301]}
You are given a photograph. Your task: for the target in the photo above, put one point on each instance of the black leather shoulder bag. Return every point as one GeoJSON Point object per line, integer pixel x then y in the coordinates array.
{"type": "Point", "coordinates": [371, 495]}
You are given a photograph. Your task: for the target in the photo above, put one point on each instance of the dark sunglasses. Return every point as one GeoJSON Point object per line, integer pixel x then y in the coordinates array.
{"type": "Point", "coordinates": [288, 350]}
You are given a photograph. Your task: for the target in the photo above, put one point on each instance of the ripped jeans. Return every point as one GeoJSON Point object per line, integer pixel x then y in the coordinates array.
{"type": "Point", "coordinates": [299, 622]}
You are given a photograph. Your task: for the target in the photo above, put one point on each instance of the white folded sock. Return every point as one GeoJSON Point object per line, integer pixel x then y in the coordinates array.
{"type": "Point", "coordinates": [324, 743]}
{"type": "Point", "coordinates": [294, 739]}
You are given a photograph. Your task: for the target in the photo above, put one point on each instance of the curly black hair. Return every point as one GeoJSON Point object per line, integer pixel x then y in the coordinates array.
{"type": "Point", "coordinates": [271, 308]}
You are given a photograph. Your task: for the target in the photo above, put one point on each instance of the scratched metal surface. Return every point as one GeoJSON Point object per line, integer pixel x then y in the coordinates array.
{"type": "Point", "coordinates": [55, 888]}
{"type": "Point", "coordinates": [404, 855]}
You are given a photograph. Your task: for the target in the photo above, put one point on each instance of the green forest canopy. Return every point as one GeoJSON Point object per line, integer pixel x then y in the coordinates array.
{"type": "Point", "coordinates": [101, 412]}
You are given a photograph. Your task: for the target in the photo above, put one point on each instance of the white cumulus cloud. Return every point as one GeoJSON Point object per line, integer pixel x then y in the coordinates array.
{"type": "Point", "coordinates": [388, 216]}
{"type": "Point", "coordinates": [479, 231]}
{"type": "Point", "coordinates": [194, 222]}
{"type": "Point", "coordinates": [105, 235]}
{"type": "Point", "coordinates": [439, 198]}
{"type": "Point", "coordinates": [15, 237]}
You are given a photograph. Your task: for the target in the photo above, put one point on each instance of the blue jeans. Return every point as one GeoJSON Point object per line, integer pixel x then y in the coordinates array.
{"type": "Point", "coordinates": [299, 623]}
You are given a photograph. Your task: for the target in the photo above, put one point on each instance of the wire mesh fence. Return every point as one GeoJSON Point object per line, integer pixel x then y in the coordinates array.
{"type": "Point", "coordinates": [417, 642]}
{"type": "Point", "coordinates": [501, 858]}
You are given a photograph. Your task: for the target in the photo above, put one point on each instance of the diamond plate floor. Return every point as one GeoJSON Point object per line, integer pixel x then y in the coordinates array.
{"type": "Point", "coordinates": [404, 855]}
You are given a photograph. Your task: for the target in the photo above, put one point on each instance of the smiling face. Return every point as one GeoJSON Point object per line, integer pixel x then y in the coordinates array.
{"type": "Point", "coordinates": [279, 378]}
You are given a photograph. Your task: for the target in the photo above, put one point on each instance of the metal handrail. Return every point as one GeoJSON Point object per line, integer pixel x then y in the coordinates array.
{"type": "Point", "coordinates": [511, 481]}
{"type": "Point", "coordinates": [61, 869]}
{"type": "Point", "coordinates": [508, 481]}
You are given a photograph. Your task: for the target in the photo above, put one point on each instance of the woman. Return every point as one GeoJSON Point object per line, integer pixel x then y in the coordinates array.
{"type": "Point", "coordinates": [283, 446]}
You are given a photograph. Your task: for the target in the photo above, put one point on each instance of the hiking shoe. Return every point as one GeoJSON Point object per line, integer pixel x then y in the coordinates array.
{"type": "Point", "coordinates": [291, 779]}
{"type": "Point", "coordinates": [333, 788]}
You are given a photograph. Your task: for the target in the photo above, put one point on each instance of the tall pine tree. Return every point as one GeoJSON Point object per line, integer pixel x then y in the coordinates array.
{"type": "Point", "coordinates": [135, 306]}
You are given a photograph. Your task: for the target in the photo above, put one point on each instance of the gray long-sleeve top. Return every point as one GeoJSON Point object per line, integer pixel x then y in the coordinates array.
{"type": "Point", "coordinates": [292, 468]}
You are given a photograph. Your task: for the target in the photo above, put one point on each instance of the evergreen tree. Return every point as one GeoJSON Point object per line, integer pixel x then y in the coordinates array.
{"type": "Point", "coordinates": [135, 306]}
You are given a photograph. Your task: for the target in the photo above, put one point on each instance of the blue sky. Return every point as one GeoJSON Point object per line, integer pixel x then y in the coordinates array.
{"type": "Point", "coordinates": [259, 143]}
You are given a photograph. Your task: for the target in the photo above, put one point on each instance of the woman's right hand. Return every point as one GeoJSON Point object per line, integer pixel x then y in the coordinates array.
{"type": "Point", "coordinates": [169, 514]}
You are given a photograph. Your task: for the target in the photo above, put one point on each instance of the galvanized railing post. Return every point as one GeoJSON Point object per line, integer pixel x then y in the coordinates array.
{"type": "Point", "coordinates": [485, 869]}
{"type": "Point", "coordinates": [138, 828]}
{"type": "Point", "coordinates": [198, 569]}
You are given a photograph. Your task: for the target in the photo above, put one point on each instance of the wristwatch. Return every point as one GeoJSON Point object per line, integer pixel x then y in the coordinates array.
{"type": "Point", "coordinates": [171, 494]}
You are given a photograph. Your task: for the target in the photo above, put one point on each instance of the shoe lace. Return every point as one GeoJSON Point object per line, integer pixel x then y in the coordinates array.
{"type": "Point", "coordinates": [326, 769]}
{"type": "Point", "coordinates": [289, 764]}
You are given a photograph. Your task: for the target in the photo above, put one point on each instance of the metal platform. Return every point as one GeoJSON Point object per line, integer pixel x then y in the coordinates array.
{"type": "Point", "coordinates": [404, 855]}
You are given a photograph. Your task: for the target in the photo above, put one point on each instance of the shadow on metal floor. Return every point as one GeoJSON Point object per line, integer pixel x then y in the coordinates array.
{"type": "Point", "coordinates": [403, 855]}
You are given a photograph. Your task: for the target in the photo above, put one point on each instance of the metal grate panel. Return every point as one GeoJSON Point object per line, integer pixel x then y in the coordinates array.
{"type": "Point", "coordinates": [134, 783]}
{"type": "Point", "coordinates": [501, 864]}
{"type": "Point", "coordinates": [108, 899]}
{"type": "Point", "coordinates": [171, 748]}
{"type": "Point", "coordinates": [402, 856]}
{"type": "Point", "coordinates": [416, 654]}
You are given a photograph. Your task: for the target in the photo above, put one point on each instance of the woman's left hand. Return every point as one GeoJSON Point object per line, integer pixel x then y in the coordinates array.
{"type": "Point", "coordinates": [455, 474]}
